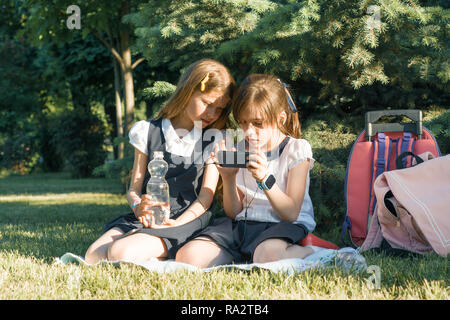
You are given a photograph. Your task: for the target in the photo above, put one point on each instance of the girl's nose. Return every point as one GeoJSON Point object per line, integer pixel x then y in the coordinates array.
{"type": "Point", "coordinates": [211, 112]}
{"type": "Point", "coordinates": [249, 130]}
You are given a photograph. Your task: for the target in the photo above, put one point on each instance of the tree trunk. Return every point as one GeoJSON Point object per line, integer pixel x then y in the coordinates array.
{"type": "Point", "coordinates": [126, 66]}
{"type": "Point", "coordinates": [128, 81]}
{"type": "Point", "coordinates": [127, 70]}
{"type": "Point", "coordinates": [119, 122]}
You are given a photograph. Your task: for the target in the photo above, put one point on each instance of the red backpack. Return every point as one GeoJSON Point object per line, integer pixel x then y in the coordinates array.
{"type": "Point", "coordinates": [380, 147]}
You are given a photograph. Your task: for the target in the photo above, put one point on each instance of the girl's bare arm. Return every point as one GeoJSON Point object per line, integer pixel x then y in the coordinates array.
{"type": "Point", "coordinates": [137, 177]}
{"type": "Point", "coordinates": [205, 196]}
{"type": "Point", "coordinates": [287, 205]}
{"type": "Point", "coordinates": [232, 196]}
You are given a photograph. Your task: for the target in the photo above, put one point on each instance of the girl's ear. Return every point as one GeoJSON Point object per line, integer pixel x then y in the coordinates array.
{"type": "Point", "coordinates": [283, 117]}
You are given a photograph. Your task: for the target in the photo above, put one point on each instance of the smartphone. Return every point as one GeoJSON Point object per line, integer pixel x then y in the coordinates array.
{"type": "Point", "coordinates": [233, 159]}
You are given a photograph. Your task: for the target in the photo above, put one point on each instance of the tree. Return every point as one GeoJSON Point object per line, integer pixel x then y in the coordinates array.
{"type": "Point", "coordinates": [20, 90]}
{"type": "Point", "coordinates": [345, 56]}
{"type": "Point", "coordinates": [338, 49]}
{"type": "Point", "coordinates": [173, 34]}
{"type": "Point", "coordinates": [47, 23]}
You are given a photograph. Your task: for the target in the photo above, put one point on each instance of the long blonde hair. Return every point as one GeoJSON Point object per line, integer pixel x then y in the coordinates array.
{"type": "Point", "coordinates": [204, 75]}
{"type": "Point", "coordinates": [267, 94]}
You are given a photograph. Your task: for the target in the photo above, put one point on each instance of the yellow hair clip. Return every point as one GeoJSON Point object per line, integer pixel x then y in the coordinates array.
{"type": "Point", "coordinates": [204, 81]}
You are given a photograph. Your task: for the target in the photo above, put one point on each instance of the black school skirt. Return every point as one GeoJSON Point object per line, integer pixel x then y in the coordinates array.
{"type": "Point", "coordinates": [173, 237]}
{"type": "Point", "coordinates": [240, 238]}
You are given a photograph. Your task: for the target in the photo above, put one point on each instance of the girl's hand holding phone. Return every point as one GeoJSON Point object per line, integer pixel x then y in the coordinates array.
{"type": "Point", "coordinates": [257, 164]}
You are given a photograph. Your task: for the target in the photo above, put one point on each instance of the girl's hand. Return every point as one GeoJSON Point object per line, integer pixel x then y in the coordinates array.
{"type": "Point", "coordinates": [225, 172]}
{"type": "Point", "coordinates": [146, 216]}
{"type": "Point", "coordinates": [149, 222]}
{"type": "Point", "coordinates": [257, 165]}
{"type": "Point", "coordinates": [146, 202]}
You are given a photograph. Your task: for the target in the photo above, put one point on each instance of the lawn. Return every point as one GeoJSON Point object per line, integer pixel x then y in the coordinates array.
{"type": "Point", "coordinates": [43, 216]}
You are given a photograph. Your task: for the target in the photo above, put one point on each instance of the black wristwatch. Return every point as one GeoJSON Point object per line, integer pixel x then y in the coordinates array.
{"type": "Point", "coordinates": [267, 183]}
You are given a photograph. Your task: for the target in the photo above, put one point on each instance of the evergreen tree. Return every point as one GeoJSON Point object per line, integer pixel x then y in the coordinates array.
{"type": "Point", "coordinates": [340, 54]}
{"type": "Point", "coordinates": [173, 34]}
{"type": "Point", "coordinates": [344, 46]}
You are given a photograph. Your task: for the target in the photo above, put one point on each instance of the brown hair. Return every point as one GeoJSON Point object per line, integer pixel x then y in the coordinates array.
{"type": "Point", "coordinates": [214, 76]}
{"type": "Point", "coordinates": [267, 94]}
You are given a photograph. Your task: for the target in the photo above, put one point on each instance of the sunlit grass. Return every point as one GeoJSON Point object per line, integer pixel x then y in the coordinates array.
{"type": "Point", "coordinates": [59, 215]}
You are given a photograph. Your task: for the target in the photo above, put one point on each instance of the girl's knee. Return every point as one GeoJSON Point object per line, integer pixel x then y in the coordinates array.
{"type": "Point", "coordinates": [92, 256]}
{"type": "Point", "coordinates": [98, 250]}
{"type": "Point", "coordinates": [203, 253]}
{"type": "Point", "coordinates": [189, 254]}
{"type": "Point", "coordinates": [117, 252]}
{"type": "Point", "coordinates": [269, 250]}
{"type": "Point", "coordinates": [137, 248]}
{"type": "Point", "coordinates": [183, 255]}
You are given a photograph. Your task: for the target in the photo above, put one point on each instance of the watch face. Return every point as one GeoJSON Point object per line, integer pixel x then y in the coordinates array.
{"type": "Point", "coordinates": [270, 181]}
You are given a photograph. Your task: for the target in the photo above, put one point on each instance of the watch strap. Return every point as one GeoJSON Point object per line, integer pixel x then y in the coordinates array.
{"type": "Point", "coordinates": [262, 184]}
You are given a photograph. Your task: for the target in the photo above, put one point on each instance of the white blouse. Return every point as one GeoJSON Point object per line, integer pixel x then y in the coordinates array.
{"type": "Point", "coordinates": [174, 144]}
{"type": "Point", "coordinates": [260, 209]}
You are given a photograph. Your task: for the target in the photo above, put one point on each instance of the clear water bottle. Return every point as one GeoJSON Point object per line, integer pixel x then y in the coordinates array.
{"type": "Point", "coordinates": [351, 261]}
{"type": "Point", "coordinates": [158, 188]}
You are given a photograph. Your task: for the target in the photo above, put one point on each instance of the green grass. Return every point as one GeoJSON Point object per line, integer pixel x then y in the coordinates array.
{"type": "Point", "coordinates": [44, 216]}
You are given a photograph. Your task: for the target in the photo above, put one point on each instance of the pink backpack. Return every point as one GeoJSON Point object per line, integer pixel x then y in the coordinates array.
{"type": "Point", "coordinates": [378, 149]}
{"type": "Point", "coordinates": [413, 208]}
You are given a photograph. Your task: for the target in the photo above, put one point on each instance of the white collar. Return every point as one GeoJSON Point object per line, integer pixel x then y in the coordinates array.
{"type": "Point", "coordinates": [181, 146]}
{"type": "Point", "coordinates": [169, 132]}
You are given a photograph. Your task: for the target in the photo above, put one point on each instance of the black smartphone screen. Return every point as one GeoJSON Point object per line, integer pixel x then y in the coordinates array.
{"type": "Point", "coordinates": [234, 159]}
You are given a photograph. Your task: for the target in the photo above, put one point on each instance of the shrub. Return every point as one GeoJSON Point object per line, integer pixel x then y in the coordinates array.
{"type": "Point", "coordinates": [80, 136]}
{"type": "Point", "coordinates": [331, 140]}
{"type": "Point", "coordinates": [51, 158]}
{"type": "Point", "coordinates": [438, 121]}
{"type": "Point", "coordinates": [118, 168]}
{"type": "Point", "coordinates": [18, 153]}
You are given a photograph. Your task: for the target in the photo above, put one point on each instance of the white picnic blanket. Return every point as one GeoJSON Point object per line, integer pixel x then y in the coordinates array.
{"type": "Point", "coordinates": [348, 259]}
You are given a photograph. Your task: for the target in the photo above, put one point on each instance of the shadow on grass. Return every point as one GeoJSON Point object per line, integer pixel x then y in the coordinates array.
{"type": "Point", "coordinates": [56, 183]}
{"type": "Point", "coordinates": [48, 231]}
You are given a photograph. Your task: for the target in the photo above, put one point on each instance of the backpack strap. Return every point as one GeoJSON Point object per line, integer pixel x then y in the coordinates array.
{"type": "Point", "coordinates": [384, 148]}
{"type": "Point", "coordinates": [381, 154]}
{"type": "Point", "coordinates": [406, 145]}
{"type": "Point", "coordinates": [346, 233]}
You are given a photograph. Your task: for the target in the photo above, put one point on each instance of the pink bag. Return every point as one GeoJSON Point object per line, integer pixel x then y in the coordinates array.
{"type": "Point", "coordinates": [413, 208]}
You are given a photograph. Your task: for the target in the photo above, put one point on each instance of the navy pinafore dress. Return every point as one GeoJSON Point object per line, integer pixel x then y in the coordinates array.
{"type": "Point", "coordinates": [183, 176]}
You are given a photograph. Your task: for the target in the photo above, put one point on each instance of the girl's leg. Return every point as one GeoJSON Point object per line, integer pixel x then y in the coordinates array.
{"type": "Point", "coordinates": [137, 247]}
{"type": "Point", "coordinates": [203, 252]}
{"type": "Point", "coordinates": [277, 249]}
{"type": "Point", "coordinates": [99, 249]}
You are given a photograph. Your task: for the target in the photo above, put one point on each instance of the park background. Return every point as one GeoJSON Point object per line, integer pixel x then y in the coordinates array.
{"type": "Point", "coordinates": [72, 86]}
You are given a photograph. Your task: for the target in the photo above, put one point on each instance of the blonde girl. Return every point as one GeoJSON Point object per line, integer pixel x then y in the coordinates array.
{"type": "Point", "coordinates": [267, 205]}
{"type": "Point", "coordinates": [201, 100]}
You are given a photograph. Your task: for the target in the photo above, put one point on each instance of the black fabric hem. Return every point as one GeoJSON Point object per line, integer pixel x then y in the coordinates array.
{"type": "Point", "coordinates": [240, 238]}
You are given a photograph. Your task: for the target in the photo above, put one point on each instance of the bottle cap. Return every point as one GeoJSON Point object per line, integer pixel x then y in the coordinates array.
{"type": "Point", "coordinates": [158, 154]}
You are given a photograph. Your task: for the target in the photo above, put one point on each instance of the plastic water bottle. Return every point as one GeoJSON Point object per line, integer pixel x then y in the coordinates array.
{"type": "Point", "coordinates": [351, 261]}
{"type": "Point", "coordinates": [158, 188]}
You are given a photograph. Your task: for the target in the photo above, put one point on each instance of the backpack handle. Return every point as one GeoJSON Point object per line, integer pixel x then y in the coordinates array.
{"type": "Point", "coordinates": [373, 116]}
